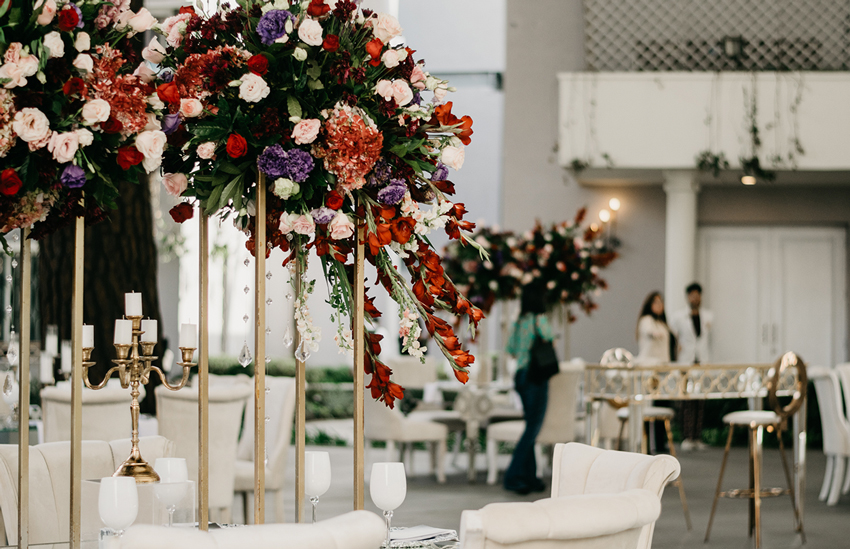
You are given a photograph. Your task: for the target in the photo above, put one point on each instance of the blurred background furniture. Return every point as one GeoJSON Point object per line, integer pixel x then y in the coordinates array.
{"type": "Point", "coordinates": [177, 413]}
{"type": "Point", "coordinates": [836, 434]}
{"type": "Point", "coordinates": [106, 413]}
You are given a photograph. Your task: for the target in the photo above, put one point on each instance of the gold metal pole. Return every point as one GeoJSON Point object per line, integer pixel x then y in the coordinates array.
{"type": "Point", "coordinates": [300, 410]}
{"type": "Point", "coordinates": [24, 394]}
{"type": "Point", "coordinates": [359, 354]}
{"type": "Point", "coordinates": [203, 376]}
{"type": "Point", "coordinates": [260, 352]}
{"type": "Point", "coordinates": [77, 384]}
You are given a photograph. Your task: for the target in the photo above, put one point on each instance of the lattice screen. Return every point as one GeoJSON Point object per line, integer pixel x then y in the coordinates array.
{"type": "Point", "coordinates": [687, 35]}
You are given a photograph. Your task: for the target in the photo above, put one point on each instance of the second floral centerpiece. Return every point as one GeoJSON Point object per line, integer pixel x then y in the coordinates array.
{"type": "Point", "coordinates": [349, 131]}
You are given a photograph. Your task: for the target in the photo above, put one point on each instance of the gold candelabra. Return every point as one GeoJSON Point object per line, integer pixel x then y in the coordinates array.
{"type": "Point", "coordinates": [134, 369]}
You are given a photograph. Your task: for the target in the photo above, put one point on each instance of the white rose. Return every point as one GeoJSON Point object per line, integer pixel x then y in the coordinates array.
{"type": "Point", "coordinates": [151, 143]}
{"type": "Point", "coordinates": [63, 146]}
{"type": "Point", "coordinates": [384, 88]}
{"type": "Point", "coordinates": [84, 62]}
{"type": "Point", "coordinates": [402, 93]}
{"type": "Point", "coordinates": [155, 102]}
{"type": "Point", "coordinates": [154, 53]}
{"type": "Point", "coordinates": [452, 157]}
{"type": "Point", "coordinates": [440, 91]}
{"type": "Point", "coordinates": [206, 150]}
{"type": "Point", "coordinates": [96, 111]}
{"type": "Point", "coordinates": [144, 72]}
{"type": "Point", "coordinates": [300, 54]}
{"type": "Point", "coordinates": [310, 32]}
{"type": "Point", "coordinates": [390, 59]}
{"type": "Point", "coordinates": [28, 65]}
{"type": "Point", "coordinates": [386, 28]}
{"type": "Point", "coordinates": [83, 42]}
{"type": "Point", "coordinates": [190, 108]}
{"type": "Point", "coordinates": [31, 125]}
{"type": "Point", "coordinates": [86, 137]}
{"type": "Point", "coordinates": [47, 14]}
{"type": "Point", "coordinates": [142, 21]}
{"type": "Point", "coordinates": [53, 42]}
{"type": "Point", "coordinates": [153, 122]}
{"type": "Point", "coordinates": [253, 88]}
{"type": "Point", "coordinates": [285, 188]}
{"type": "Point", "coordinates": [13, 72]}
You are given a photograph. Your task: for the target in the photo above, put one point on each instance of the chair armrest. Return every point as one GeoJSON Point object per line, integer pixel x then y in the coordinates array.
{"type": "Point", "coordinates": [472, 530]}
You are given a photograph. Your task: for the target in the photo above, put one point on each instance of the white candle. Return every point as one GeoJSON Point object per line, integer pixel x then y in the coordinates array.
{"type": "Point", "coordinates": [45, 369]}
{"type": "Point", "coordinates": [88, 336]}
{"type": "Point", "coordinates": [149, 329]}
{"type": "Point", "coordinates": [188, 336]}
{"type": "Point", "coordinates": [66, 356]}
{"type": "Point", "coordinates": [123, 331]}
{"type": "Point", "coordinates": [133, 304]}
{"type": "Point", "coordinates": [51, 343]}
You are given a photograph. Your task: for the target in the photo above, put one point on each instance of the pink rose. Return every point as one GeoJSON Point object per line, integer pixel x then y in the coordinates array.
{"type": "Point", "coordinates": [304, 225]}
{"type": "Point", "coordinates": [402, 93]}
{"type": "Point", "coordinates": [452, 157]}
{"type": "Point", "coordinates": [390, 59]}
{"type": "Point", "coordinates": [171, 28]}
{"type": "Point", "coordinates": [63, 146]}
{"type": "Point", "coordinates": [310, 32]}
{"type": "Point", "coordinates": [340, 227]}
{"type": "Point", "coordinates": [96, 111]}
{"type": "Point", "coordinates": [154, 53]}
{"type": "Point", "coordinates": [190, 108]}
{"type": "Point", "coordinates": [144, 72]}
{"type": "Point", "coordinates": [417, 77]}
{"type": "Point", "coordinates": [142, 21]}
{"type": "Point", "coordinates": [175, 183]}
{"type": "Point", "coordinates": [15, 74]}
{"type": "Point", "coordinates": [306, 131]}
{"type": "Point", "coordinates": [13, 53]}
{"type": "Point", "coordinates": [46, 15]}
{"type": "Point", "coordinates": [28, 65]}
{"type": "Point", "coordinates": [31, 125]}
{"type": "Point", "coordinates": [384, 88]}
{"type": "Point", "coordinates": [207, 150]}
{"type": "Point", "coordinates": [386, 27]}
{"type": "Point", "coordinates": [287, 222]}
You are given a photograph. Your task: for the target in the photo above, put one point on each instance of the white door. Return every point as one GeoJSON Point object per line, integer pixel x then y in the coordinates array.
{"type": "Point", "coordinates": [774, 290]}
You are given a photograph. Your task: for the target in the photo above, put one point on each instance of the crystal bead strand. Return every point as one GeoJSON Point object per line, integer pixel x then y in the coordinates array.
{"type": "Point", "coordinates": [245, 357]}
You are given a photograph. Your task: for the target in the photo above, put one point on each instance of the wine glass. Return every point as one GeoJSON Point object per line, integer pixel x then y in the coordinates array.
{"type": "Point", "coordinates": [388, 487]}
{"type": "Point", "coordinates": [317, 476]}
{"type": "Point", "coordinates": [173, 483]}
{"type": "Point", "coordinates": [118, 502]}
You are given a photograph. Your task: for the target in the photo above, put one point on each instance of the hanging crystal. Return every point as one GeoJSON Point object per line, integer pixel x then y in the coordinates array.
{"type": "Point", "coordinates": [268, 359]}
{"type": "Point", "coordinates": [269, 301]}
{"type": "Point", "coordinates": [8, 386]}
{"type": "Point", "coordinates": [14, 263]}
{"type": "Point", "coordinates": [268, 390]}
{"type": "Point", "coordinates": [245, 318]}
{"type": "Point", "coordinates": [14, 348]}
{"type": "Point", "coordinates": [8, 278]}
{"type": "Point", "coordinates": [303, 351]}
{"type": "Point", "coordinates": [246, 262]}
{"type": "Point", "coordinates": [245, 357]}
{"type": "Point", "coordinates": [266, 453]}
{"type": "Point", "coordinates": [287, 337]}
{"type": "Point", "coordinates": [288, 295]}
{"type": "Point", "coordinates": [16, 236]}
{"type": "Point", "coordinates": [269, 275]}
{"type": "Point", "coordinates": [8, 309]}
{"type": "Point", "coordinates": [268, 331]}
{"type": "Point", "coordinates": [246, 289]}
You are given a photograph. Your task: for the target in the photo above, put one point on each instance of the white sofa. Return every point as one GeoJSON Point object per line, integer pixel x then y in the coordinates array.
{"type": "Point", "coordinates": [600, 499]}
{"type": "Point", "coordinates": [354, 530]}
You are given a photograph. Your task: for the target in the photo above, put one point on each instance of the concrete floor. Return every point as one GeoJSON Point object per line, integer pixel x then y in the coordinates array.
{"type": "Point", "coordinates": [441, 505]}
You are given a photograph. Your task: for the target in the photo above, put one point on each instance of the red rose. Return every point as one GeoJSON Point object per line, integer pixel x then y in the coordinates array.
{"type": "Point", "coordinates": [318, 8]}
{"type": "Point", "coordinates": [334, 200]}
{"type": "Point", "coordinates": [187, 9]}
{"type": "Point", "coordinates": [182, 212]}
{"type": "Point", "coordinates": [168, 92]}
{"type": "Point", "coordinates": [129, 156]}
{"type": "Point", "coordinates": [74, 86]}
{"type": "Point", "coordinates": [68, 19]}
{"type": "Point", "coordinates": [236, 145]}
{"type": "Point", "coordinates": [373, 48]}
{"type": "Point", "coordinates": [259, 64]}
{"type": "Point", "coordinates": [331, 43]}
{"type": "Point", "coordinates": [10, 183]}
{"type": "Point", "coordinates": [112, 125]}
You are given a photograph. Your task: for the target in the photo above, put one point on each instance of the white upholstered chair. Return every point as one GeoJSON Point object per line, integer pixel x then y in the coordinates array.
{"type": "Point", "coordinates": [559, 423]}
{"type": "Point", "coordinates": [390, 426]}
{"type": "Point", "coordinates": [177, 414]}
{"type": "Point", "coordinates": [50, 483]}
{"type": "Point", "coordinates": [600, 498]}
{"type": "Point", "coordinates": [280, 409]}
{"type": "Point", "coordinates": [106, 412]}
{"type": "Point", "coordinates": [353, 530]}
{"type": "Point", "coordinates": [836, 434]}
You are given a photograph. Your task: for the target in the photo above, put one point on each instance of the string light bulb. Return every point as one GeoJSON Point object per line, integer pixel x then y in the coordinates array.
{"type": "Point", "coordinates": [614, 204]}
{"type": "Point", "coordinates": [604, 216]}
{"type": "Point", "coordinates": [748, 180]}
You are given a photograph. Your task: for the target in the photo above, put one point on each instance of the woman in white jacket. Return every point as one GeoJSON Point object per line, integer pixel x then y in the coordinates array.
{"type": "Point", "coordinates": [653, 334]}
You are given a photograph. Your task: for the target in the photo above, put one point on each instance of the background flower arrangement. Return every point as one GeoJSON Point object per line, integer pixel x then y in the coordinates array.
{"type": "Point", "coordinates": [76, 114]}
{"type": "Point", "coordinates": [335, 118]}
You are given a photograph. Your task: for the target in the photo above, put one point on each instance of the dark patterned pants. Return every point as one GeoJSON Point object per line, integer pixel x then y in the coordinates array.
{"type": "Point", "coordinates": [692, 415]}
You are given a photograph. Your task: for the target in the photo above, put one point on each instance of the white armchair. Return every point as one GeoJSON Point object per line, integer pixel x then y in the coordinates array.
{"type": "Point", "coordinates": [600, 498]}
{"type": "Point", "coordinates": [354, 530]}
{"type": "Point", "coordinates": [106, 412]}
{"type": "Point", "coordinates": [836, 434]}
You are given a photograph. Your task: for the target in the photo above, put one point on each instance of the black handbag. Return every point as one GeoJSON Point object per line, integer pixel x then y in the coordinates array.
{"type": "Point", "coordinates": [544, 361]}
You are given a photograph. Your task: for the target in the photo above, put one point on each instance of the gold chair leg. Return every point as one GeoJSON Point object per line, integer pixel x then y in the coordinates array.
{"type": "Point", "coordinates": [719, 482]}
{"type": "Point", "coordinates": [620, 434]}
{"type": "Point", "coordinates": [756, 435]}
{"type": "Point", "coordinates": [679, 481]}
{"type": "Point", "coordinates": [797, 519]}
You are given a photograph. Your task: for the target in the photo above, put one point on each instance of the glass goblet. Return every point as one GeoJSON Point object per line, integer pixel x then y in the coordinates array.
{"type": "Point", "coordinates": [173, 483]}
{"type": "Point", "coordinates": [317, 476]}
{"type": "Point", "coordinates": [118, 502]}
{"type": "Point", "coordinates": [388, 487]}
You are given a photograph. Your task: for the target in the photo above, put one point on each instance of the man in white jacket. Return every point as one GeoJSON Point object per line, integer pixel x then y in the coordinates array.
{"type": "Point", "coordinates": [692, 328]}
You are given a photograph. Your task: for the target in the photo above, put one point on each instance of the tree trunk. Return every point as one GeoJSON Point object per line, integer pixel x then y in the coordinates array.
{"type": "Point", "coordinates": [121, 256]}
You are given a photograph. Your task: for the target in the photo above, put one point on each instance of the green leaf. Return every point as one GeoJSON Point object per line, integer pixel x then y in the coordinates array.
{"type": "Point", "coordinates": [220, 179]}
{"type": "Point", "coordinates": [314, 84]}
{"type": "Point", "coordinates": [231, 190]}
{"type": "Point", "coordinates": [293, 106]}
{"type": "Point", "coordinates": [212, 204]}
{"type": "Point", "coordinates": [227, 167]}
{"type": "Point", "coordinates": [314, 71]}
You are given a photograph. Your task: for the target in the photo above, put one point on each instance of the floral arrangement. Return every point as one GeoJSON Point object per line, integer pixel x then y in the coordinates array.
{"type": "Point", "coordinates": [76, 113]}
{"type": "Point", "coordinates": [486, 281]}
{"type": "Point", "coordinates": [350, 133]}
{"type": "Point", "coordinates": [565, 259]}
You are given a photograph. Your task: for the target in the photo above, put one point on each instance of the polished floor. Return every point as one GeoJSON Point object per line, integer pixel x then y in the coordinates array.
{"type": "Point", "coordinates": [441, 505]}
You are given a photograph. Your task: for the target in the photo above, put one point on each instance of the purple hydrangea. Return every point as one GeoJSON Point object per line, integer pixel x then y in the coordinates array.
{"type": "Point", "coordinates": [73, 177]}
{"type": "Point", "coordinates": [440, 173]}
{"type": "Point", "coordinates": [293, 164]}
{"type": "Point", "coordinates": [80, 23]}
{"type": "Point", "coordinates": [392, 193]}
{"type": "Point", "coordinates": [417, 99]}
{"type": "Point", "coordinates": [381, 173]}
{"type": "Point", "coordinates": [272, 25]}
{"type": "Point", "coordinates": [170, 123]}
{"type": "Point", "coordinates": [322, 215]}
{"type": "Point", "coordinates": [166, 75]}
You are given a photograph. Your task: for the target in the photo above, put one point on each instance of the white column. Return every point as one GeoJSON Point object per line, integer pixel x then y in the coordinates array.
{"type": "Point", "coordinates": [681, 229]}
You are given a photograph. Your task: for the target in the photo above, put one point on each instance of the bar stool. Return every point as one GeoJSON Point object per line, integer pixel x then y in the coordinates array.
{"type": "Point", "coordinates": [756, 421]}
{"type": "Point", "coordinates": [651, 414]}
